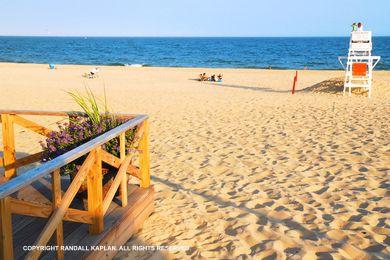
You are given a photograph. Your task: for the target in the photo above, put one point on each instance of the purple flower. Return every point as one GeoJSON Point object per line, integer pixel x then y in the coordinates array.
{"type": "Point", "coordinates": [52, 148]}
{"type": "Point", "coordinates": [79, 131]}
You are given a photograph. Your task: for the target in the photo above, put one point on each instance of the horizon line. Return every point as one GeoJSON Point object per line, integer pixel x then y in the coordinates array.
{"type": "Point", "coordinates": [188, 36]}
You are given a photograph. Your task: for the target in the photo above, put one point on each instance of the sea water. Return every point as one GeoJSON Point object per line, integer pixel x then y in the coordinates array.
{"type": "Point", "coordinates": [218, 52]}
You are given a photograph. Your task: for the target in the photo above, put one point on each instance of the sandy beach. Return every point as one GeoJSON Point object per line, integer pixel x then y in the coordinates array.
{"type": "Point", "coordinates": [243, 167]}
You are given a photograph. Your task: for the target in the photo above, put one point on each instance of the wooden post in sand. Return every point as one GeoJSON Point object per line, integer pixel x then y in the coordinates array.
{"type": "Point", "coordinates": [295, 81]}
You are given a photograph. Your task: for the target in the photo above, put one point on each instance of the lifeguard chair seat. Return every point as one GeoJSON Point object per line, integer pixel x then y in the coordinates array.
{"type": "Point", "coordinates": [359, 69]}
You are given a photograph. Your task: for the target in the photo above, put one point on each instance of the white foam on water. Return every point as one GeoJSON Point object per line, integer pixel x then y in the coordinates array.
{"type": "Point", "coordinates": [134, 65]}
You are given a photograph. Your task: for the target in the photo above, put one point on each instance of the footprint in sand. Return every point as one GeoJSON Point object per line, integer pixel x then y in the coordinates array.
{"type": "Point", "coordinates": [337, 235]}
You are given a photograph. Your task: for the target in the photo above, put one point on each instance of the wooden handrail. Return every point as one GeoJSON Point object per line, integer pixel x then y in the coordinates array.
{"type": "Point", "coordinates": [55, 113]}
{"type": "Point", "coordinates": [30, 176]}
{"type": "Point", "coordinates": [41, 113]}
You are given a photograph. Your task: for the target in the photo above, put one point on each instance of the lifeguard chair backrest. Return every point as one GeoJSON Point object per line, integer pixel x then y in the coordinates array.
{"type": "Point", "coordinates": [359, 69]}
{"type": "Point", "coordinates": [361, 41]}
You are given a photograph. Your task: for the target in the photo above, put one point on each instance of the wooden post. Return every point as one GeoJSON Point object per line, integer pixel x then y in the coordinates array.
{"type": "Point", "coordinates": [9, 145]}
{"type": "Point", "coordinates": [123, 187]}
{"type": "Point", "coordinates": [56, 190]}
{"type": "Point", "coordinates": [6, 246]}
{"type": "Point", "coordinates": [295, 82]}
{"type": "Point", "coordinates": [95, 193]}
{"type": "Point", "coordinates": [144, 161]}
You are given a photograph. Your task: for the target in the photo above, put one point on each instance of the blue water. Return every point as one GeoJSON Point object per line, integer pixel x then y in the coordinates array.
{"type": "Point", "coordinates": [282, 53]}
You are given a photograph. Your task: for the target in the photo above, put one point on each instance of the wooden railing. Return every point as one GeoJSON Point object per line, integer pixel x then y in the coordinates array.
{"type": "Point", "coordinates": [91, 171]}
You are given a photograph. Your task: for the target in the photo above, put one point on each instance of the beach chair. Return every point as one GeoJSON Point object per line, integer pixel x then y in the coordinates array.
{"type": "Point", "coordinates": [94, 73]}
{"type": "Point", "coordinates": [359, 62]}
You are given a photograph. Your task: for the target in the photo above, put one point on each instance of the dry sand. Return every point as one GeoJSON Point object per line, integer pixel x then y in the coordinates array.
{"type": "Point", "coordinates": [243, 167]}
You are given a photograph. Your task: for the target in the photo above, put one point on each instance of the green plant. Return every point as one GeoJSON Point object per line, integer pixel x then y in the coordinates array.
{"type": "Point", "coordinates": [88, 103]}
{"type": "Point", "coordinates": [84, 128]}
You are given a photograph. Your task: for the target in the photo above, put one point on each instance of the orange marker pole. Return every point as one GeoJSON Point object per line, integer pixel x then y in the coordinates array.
{"type": "Point", "coordinates": [295, 81]}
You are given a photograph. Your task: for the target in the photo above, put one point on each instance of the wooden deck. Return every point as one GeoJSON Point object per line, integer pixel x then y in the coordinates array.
{"type": "Point", "coordinates": [120, 223]}
{"type": "Point", "coordinates": [41, 210]}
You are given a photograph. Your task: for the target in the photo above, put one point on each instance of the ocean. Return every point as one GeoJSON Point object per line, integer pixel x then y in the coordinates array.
{"type": "Point", "coordinates": [227, 52]}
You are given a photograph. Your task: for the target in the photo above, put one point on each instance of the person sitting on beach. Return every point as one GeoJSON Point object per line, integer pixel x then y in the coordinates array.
{"type": "Point", "coordinates": [203, 77]}
{"type": "Point", "coordinates": [219, 77]}
{"type": "Point", "coordinates": [212, 78]}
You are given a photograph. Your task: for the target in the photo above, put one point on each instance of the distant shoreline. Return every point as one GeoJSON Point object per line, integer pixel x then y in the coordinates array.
{"type": "Point", "coordinates": [184, 37]}
{"type": "Point", "coordinates": [164, 67]}
{"type": "Point", "coordinates": [171, 67]}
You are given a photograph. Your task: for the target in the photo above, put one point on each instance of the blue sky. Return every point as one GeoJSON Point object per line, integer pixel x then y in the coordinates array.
{"type": "Point", "coordinates": [192, 18]}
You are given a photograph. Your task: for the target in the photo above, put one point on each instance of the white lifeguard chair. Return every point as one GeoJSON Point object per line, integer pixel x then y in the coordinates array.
{"type": "Point", "coordinates": [360, 63]}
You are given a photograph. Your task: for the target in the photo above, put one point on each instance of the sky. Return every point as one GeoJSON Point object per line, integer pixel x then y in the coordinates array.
{"type": "Point", "coordinates": [192, 17]}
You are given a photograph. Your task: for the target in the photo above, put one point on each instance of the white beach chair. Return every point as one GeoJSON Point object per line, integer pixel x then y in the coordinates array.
{"type": "Point", "coordinates": [360, 63]}
{"type": "Point", "coordinates": [93, 73]}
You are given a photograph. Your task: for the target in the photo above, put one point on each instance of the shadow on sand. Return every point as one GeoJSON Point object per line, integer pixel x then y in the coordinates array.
{"type": "Point", "coordinates": [271, 90]}
{"type": "Point", "coordinates": [220, 84]}
{"type": "Point", "coordinates": [333, 86]}
{"type": "Point", "coordinates": [330, 86]}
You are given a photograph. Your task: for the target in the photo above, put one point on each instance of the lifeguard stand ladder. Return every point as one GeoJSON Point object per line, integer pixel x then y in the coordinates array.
{"type": "Point", "coordinates": [360, 63]}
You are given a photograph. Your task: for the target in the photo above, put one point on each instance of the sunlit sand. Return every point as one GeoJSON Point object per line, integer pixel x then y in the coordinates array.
{"type": "Point", "coordinates": [242, 166]}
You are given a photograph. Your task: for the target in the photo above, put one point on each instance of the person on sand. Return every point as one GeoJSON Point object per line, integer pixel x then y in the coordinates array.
{"type": "Point", "coordinates": [203, 77]}
{"type": "Point", "coordinates": [219, 77]}
{"type": "Point", "coordinates": [212, 78]}
{"type": "Point", "coordinates": [360, 27]}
